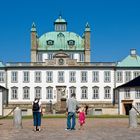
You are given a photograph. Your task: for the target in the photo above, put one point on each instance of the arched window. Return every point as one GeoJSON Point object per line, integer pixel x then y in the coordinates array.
{"type": "Point", "coordinates": [72, 90]}
{"type": "Point", "coordinates": [38, 92]}
{"type": "Point", "coordinates": [14, 92]}
{"type": "Point", "coordinates": [49, 94]}
{"type": "Point", "coordinates": [107, 94]}
{"type": "Point", "coordinates": [95, 92]}
{"type": "Point", "coordinates": [26, 93]}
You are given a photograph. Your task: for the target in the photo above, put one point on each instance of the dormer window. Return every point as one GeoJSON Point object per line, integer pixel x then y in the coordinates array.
{"type": "Point", "coordinates": [60, 35]}
{"type": "Point", "coordinates": [50, 42]}
{"type": "Point", "coordinates": [71, 42]}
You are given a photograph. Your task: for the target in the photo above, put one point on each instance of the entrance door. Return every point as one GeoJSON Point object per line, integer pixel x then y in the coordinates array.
{"type": "Point", "coordinates": [63, 104]}
{"type": "Point", "coordinates": [127, 108]}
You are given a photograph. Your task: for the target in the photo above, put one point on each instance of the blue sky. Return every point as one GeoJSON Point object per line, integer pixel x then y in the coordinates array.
{"type": "Point", "coordinates": [115, 25]}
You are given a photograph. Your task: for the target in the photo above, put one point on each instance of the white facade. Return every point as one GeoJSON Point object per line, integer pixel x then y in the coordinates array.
{"type": "Point", "coordinates": [60, 65]}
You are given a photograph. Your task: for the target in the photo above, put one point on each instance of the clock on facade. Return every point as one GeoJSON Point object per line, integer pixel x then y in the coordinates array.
{"type": "Point", "coordinates": [61, 61]}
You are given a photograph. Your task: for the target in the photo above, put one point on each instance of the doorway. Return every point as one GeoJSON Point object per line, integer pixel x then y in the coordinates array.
{"type": "Point", "coordinates": [63, 104]}
{"type": "Point", "coordinates": [127, 108]}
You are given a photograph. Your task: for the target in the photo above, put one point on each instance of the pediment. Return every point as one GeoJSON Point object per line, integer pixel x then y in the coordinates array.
{"type": "Point", "coordinates": [61, 55]}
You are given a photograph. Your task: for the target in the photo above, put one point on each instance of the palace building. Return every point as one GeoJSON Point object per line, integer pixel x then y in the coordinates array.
{"type": "Point", "coordinates": [60, 65]}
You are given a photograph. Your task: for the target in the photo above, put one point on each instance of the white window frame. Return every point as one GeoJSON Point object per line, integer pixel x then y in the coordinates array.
{"type": "Point", "coordinates": [136, 74]}
{"type": "Point", "coordinates": [95, 91]}
{"type": "Point", "coordinates": [72, 76]}
{"type": "Point", "coordinates": [39, 57]}
{"type": "Point", "coordinates": [119, 76]}
{"type": "Point", "coordinates": [84, 76]}
{"type": "Point", "coordinates": [14, 76]}
{"type": "Point", "coordinates": [128, 76]}
{"type": "Point", "coordinates": [81, 57]}
{"type": "Point", "coordinates": [49, 92]}
{"type": "Point", "coordinates": [49, 76]}
{"type": "Point", "coordinates": [107, 76]}
{"type": "Point", "coordinates": [2, 76]}
{"type": "Point", "coordinates": [26, 93]}
{"type": "Point", "coordinates": [107, 92]}
{"type": "Point", "coordinates": [84, 93]}
{"type": "Point", "coordinates": [14, 93]}
{"type": "Point", "coordinates": [26, 76]}
{"type": "Point", "coordinates": [137, 93]}
{"type": "Point", "coordinates": [50, 56]}
{"type": "Point", "coordinates": [61, 77]}
{"type": "Point", "coordinates": [95, 76]}
{"type": "Point", "coordinates": [72, 90]}
{"type": "Point", "coordinates": [38, 92]}
{"type": "Point", "coordinates": [37, 76]}
{"type": "Point", "coordinates": [127, 94]}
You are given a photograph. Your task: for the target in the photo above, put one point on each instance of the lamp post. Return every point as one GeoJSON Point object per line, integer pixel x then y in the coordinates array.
{"type": "Point", "coordinates": [50, 105]}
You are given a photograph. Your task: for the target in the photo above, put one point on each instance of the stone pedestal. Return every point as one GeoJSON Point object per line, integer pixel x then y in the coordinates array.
{"type": "Point", "coordinates": [132, 118]}
{"type": "Point", "coordinates": [54, 112]}
{"type": "Point", "coordinates": [17, 118]}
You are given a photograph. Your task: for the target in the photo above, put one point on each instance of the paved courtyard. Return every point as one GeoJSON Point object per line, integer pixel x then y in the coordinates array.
{"type": "Point", "coordinates": [53, 129]}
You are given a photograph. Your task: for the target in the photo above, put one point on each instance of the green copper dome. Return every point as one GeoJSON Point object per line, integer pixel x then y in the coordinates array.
{"type": "Point", "coordinates": [60, 41]}
{"type": "Point", "coordinates": [60, 20]}
{"type": "Point", "coordinates": [1, 64]}
{"type": "Point", "coordinates": [132, 60]}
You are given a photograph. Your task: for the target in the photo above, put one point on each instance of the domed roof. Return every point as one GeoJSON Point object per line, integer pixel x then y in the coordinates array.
{"type": "Point", "coordinates": [60, 20]}
{"type": "Point", "coordinates": [60, 41]}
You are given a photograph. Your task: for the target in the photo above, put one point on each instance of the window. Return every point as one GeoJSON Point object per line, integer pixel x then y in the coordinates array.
{"type": "Point", "coordinates": [38, 92]}
{"type": "Point", "coordinates": [61, 76]}
{"type": "Point", "coordinates": [37, 76]}
{"type": "Point", "coordinates": [14, 76]}
{"type": "Point", "coordinates": [107, 92]}
{"type": "Point", "coordinates": [26, 93]}
{"type": "Point", "coordinates": [50, 42]}
{"type": "Point", "coordinates": [136, 74]}
{"type": "Point", "coordinates": [119, 76]}
{"type": "Point", "coordinates": [95, 76]}
{"type": "Point", "coordinates": [26, 76]}
{"type": "Point", "coordinates": [50, 56]}
{"type": "Point", "coordinates": [137, 94]}
{"type": "Point", "coordinates": [95, 92]}
{"type": "Point", "coordinates": [49, 76]}
{"type": "Point", "coordinates": [14, 93]}
{"type": "Point", "coordinates": [72, 76]}
{"type": "Point", "coordinates": [2, 77]}
{"type": "Point", "coordinates": [49, 93]}
{"type": "Point", "coordinates": [71, 55]}
{"type": "Point", "coordinates": [127, 94]}
{"type": "Point", "coordinates": [107, 76]}
{"type": "Point", "coordinates": [127, 76]}
{"type": "Point", "coordinates": [84, 93]}
{"type": "Point", "coordinates": [83, 76]}
{"type": "Point", "coordinates": [81, 57]}
{"type": "Point", "coordinates": [138, 106]}
{"type": "Point", "coordinates": [39, 57]}
{"type": "Point", "coordinates": [60, 34]}
{"type": "Point", "coordinates": [71, 42]}
{"type": "Point", "coordinates": [72, 90]}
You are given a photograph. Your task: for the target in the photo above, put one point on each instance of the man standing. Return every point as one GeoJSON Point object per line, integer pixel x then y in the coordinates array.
{"type": "Point", "coordinates": [72, 105]}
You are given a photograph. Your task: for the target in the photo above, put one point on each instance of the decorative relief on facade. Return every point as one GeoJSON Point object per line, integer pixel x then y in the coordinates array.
{"type": "Point", "coordinates": [61, 93]}
{"type": "Point", "coordinates": [71, 62]}
{"type": "Point", "coordinates": [50, 62]}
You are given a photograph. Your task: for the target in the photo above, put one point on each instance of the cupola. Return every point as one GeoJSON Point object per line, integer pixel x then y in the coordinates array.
{"type": "Point", "coordinates": [60, 24]}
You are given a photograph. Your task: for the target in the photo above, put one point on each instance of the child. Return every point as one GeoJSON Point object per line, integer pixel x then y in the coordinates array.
{"type": "Point", "coordinates": [81, 117]}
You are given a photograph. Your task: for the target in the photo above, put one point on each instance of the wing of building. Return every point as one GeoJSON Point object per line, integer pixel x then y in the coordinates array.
{"type": "Point", "coordinates": [60, 65]}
